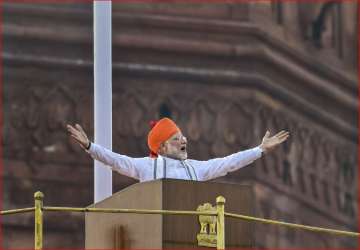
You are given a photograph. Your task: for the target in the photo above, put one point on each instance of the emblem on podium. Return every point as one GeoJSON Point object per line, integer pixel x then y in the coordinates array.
{"type": "Point", "coordinates": [207, 235]}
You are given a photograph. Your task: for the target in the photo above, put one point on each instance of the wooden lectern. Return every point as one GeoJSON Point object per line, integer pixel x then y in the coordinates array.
{"type": "Point", "coordinates": [148, 231]}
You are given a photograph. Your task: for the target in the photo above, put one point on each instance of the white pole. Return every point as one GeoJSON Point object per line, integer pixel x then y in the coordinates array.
{"type": "Point", "coordinates": [102, 95]}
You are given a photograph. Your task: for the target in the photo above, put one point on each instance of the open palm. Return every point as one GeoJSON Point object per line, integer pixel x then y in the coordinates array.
{"type": "Point", "coordinates": [268, 143]}
{"type": "Point", "coordinates": [79, 135]}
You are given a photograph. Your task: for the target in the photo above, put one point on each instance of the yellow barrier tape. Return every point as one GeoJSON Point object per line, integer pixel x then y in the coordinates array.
{"type": "Point", "coordinates": [293, 225]}
{"type": "Point", "coordinates": [136, 211]}
{"type": "Point", "coordinates": [173, 212]}
{"type": "Point", "coordinates": [17, 211]}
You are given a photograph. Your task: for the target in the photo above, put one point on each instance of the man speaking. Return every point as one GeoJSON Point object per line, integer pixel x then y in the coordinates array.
{"type": "Point", "coordinates": [168, 155]}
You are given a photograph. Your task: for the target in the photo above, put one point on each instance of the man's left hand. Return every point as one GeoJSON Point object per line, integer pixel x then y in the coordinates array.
{"type": "Point", "coordinates": [268, 143]}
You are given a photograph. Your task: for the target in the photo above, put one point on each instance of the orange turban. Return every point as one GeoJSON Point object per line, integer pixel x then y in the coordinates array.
{"type": "Point", "coordinates": [161, 131]}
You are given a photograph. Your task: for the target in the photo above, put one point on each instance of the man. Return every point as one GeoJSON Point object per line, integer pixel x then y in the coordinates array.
{"type": "Point", "coordinates": [168, 155]}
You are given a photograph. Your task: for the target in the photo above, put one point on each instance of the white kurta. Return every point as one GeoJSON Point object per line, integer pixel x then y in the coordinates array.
{"type": "Point", "coordinates": [146, 168]}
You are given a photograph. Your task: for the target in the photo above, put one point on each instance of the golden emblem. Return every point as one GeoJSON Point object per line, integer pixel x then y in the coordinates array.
{"type": "Point", "coordinates": [207, 235]}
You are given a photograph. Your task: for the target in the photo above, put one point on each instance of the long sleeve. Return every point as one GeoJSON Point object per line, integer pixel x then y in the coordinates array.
{"type": "Point", "coordinates": [221, 166]}
{"type": "Point", "coordinates": [123, 164]}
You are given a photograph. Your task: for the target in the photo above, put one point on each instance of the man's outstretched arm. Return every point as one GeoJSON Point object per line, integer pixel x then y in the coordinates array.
{"type": "Point", "coordinates": [123, 164]}
{"type": "Point", "coordinates": [218, 167]}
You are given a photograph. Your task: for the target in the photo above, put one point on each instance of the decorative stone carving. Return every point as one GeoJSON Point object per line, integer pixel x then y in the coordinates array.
{"type": "Point", "coordinates": [129, 116]}
{"type": "Point", "coordinates": [201, 123]}
{"type": "Point", "coordinates": [238, 126]}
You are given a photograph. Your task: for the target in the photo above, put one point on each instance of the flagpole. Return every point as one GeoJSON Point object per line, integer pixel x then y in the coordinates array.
{"type": "Point", "coordinates": [102, 95]}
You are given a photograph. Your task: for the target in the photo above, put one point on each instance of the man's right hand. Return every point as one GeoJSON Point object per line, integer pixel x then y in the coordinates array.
{"type": "Point", "coordinates": [79, 135]}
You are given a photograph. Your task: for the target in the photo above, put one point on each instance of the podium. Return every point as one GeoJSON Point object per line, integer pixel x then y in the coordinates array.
{"type": "Point", "coordinates": [153, 231]}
